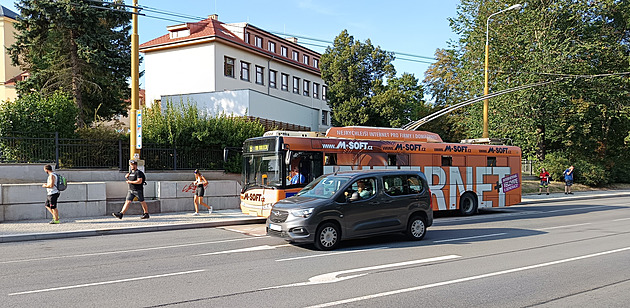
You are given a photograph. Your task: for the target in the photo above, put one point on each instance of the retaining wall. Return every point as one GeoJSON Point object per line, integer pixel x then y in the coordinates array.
{"type": "Point", "coordinates": [86, 199]}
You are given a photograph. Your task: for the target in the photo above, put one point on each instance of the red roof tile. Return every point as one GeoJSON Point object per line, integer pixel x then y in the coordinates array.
{"type": "Point", "coordinates": [205, 29]}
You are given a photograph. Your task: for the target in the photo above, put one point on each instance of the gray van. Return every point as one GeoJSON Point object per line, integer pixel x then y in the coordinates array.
{"type": "Point", "coordinates": [353, 204]}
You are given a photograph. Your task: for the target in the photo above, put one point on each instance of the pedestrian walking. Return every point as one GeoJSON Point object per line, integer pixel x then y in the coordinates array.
{"type": "Point", "coordinates": [568, 180]}
{"type": "Point", "coordinates": [52, 194]}
{"type": "Point", "coordinates": [544, 180]}
{"type": "Point", "coordinates": [201, 182]}
{"type": "Point", "coordinates": [135, 179]}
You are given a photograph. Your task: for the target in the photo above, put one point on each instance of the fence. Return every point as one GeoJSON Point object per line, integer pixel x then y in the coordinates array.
{"type": "Point", "coordinates": [101, 153]}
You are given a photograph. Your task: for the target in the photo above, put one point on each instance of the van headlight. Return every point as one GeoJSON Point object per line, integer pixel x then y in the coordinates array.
{"type": "Point", "coordinates": [305, 213]}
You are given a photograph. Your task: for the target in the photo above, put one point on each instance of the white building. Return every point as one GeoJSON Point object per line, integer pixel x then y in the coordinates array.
{"type": "Point", "coordinates": [237, 69]}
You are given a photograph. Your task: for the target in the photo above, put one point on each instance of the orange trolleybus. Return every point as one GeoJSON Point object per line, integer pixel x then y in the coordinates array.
{"type": "Point", "coordinates": [461, 176]}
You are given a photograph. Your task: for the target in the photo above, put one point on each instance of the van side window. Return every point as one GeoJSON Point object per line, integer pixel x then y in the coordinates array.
{"type": "Point", "coordinates": [394, 185]}
{"type": "Point", "coordinates": [365, 188]}
{"type": "Point", "coordinates": [415, 184]}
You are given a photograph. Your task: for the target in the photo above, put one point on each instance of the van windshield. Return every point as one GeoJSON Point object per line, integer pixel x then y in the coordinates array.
{"type": "Point", "coordinates": [324, 187]}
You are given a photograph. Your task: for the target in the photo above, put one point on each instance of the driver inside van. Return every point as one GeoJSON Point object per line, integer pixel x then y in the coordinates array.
{"type": "Point", "coordinates": [363, 193]}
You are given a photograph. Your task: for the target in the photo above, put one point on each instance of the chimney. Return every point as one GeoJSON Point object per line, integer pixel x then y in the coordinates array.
{"type": "Point", "coordinates": [292, 39]}
{"type": "Point", "coordinates": [213, 17]}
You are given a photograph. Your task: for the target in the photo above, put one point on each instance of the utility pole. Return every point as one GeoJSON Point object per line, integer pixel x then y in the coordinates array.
{"type": "Point", "coordinates": [135, 117]}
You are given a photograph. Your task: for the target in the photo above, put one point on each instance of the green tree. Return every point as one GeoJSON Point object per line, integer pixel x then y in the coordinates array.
{"type": "Point", "coordinates": [33, 114]}
{"type": "Point", "coordinates": [581, 119]}
{"type": "Point", "coordinates": [72, 46]}
{"type": "Point", "coordinates": [354, 73]}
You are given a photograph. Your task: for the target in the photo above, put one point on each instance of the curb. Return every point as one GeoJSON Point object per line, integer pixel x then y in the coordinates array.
{"type": "Point", "coordinates": [126, 230]}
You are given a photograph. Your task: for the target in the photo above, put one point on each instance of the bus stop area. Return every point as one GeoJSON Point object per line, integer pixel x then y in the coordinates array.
{"type": "Point", "coordinates": [29, 230]}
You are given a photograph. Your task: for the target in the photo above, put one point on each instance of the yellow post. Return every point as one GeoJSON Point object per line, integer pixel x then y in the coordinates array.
{"type": "Point", "coordinates": [485, 101]}
{"type": "Point", "coordinates": [134, 153]}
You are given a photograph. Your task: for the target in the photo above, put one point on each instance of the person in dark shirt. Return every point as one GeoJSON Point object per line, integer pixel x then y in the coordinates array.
{"type": "Point", "coordinates": [135, 179]}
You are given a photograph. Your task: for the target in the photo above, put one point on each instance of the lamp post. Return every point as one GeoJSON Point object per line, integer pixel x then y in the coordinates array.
{"type": "Point", "coordinates": [485, 88]}
{"type": "Point", "coordinates": [135, 126]}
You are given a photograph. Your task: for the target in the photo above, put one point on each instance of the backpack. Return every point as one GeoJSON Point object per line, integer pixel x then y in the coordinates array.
{"type": "Point", "coordinates": [62, 184]}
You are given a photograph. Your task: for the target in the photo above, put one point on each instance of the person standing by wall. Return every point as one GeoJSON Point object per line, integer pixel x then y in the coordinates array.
{"type": "Point", "coordinates": [200, 181]}
{"type": "Point", "coordinates": [52, 194]}
{"type": "Point", "coordinates": [544, 180]}
{"type": "Point", "coordinates": [568, 180]}
{"type": "Point", "coordinates": [135, 179]}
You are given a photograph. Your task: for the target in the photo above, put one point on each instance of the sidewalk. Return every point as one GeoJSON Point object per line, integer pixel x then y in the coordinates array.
{"type": "Point", "coordinates": [29, 230]}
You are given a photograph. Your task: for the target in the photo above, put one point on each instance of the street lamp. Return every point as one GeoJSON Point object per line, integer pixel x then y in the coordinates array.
{"type": "Point", "coordinates": [485, 88]}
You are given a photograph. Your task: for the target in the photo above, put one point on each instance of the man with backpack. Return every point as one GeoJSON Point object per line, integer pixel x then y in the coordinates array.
{"type": "Point", "coordinates": [135, 179]}
{"type": "Point", "coordinates": [52, 194]}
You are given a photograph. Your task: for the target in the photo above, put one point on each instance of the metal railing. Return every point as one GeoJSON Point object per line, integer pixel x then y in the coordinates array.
{"type": "Point", "coordinates": [102, 153]}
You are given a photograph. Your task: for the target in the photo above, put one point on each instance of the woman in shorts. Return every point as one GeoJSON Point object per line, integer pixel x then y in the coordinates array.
{"type": "Point", "coordinates": [201, 182]}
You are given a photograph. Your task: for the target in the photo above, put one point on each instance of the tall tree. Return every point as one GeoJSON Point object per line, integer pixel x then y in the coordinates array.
{"type": "Point", "coordinates": [363, 88]}
{"type": "Point", "coordinates": [584, 118]}
{"type": "Point", "coordinates": [354, 73]}
{"type": "Point", "coordinates": [74, 46]}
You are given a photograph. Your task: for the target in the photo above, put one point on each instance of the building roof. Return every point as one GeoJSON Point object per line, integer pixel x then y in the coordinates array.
{"type": "Point", "coordinates": [211, 29]}
{"type": "Point", "coordinates": [206, 28]}
{"type": "Point", "coordinates": [8, 13]}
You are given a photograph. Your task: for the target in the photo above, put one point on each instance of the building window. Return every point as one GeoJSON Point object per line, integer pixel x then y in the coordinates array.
{"type": "Point", "coordinates": [258, 41]}
{"type": "Point", "coordinates": [271, 46]}
{"type": "Point", "coordinates": [324, 117]}
{"type": "Point", "coordinates": [246, 37]}
{"type": "Point", "coordinates": [315, 90]}
{"type": "Point", "coordinates": [306, 87]}
{"type": "Point", "coordinates": [296, 85]}
{"type": "Point", "coordinates": [244, 71]}
{"type": "Point", "coordinates": [272, 78]}
{"type": "Point", "coordinates": [305, 58]}
{"type": "Point", "coordinates": [285, 82]}
{"type": "Point", "coordinates": [491, 161]}
{"type": "Point", "coordinates": [296, 56]}
{"type": "Point", "coordinates": [324, 90]}
{"type": "Point", "coordinates": [260, 77]}
{"type": "Point", "coordinates": [315, 63]}
{"type": "Point", "coordinates": [228, 66]}
{"type": "Point", "coordinates": [284, 51]}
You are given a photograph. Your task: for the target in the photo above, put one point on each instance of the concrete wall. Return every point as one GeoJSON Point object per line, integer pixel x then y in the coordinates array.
{"type": "Point", "coordinates": [87, 199]}
{"type": "Point", "coordinates": [34, 173]}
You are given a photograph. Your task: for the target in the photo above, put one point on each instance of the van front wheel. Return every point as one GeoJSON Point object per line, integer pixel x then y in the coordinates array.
{"type": "Point", "coordinates": [327, 236]}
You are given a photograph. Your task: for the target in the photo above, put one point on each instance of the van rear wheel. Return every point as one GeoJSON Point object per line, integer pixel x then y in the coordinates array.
{"type": "Point", "coordinates": [327, 236]}
{"type": "Point", "coordinates": [416, 228]}
{"type": "Point", "coordinates": [468, 204]}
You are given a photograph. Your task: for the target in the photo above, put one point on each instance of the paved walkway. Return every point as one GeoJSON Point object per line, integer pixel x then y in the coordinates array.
{"type": "Point", "coordinates": [28, 230]}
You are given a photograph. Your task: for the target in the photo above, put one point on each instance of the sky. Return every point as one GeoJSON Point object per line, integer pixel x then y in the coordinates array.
{"type": "Point", "coordinates": [410, 27]}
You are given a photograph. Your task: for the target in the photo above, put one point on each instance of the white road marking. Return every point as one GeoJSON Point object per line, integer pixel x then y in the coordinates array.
{"type": "Point", "coordinates": [621, 219]}
{"type": "Point", "coordinates": [127, 251]}
{"type": "Point", "coordinates": [465, 279]}
{"type": "Point", "coordinates": [566, 226]}
{"type": "Point", "coordinates": [106, 282]}
{"type": "Point", "coordinates": [242, 232]}
{"type": "Point", "coordinates": [332, 277]}
{"type": "Point", "coordinates": [330, 254]}
{"type": "Point", "coordinates": [247, 249]}
{"type": "Point", "coordinates": [468, 238]}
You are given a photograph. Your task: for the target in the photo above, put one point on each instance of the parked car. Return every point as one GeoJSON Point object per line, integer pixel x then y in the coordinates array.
{"type": "Point", "coordinates": [354, 204]}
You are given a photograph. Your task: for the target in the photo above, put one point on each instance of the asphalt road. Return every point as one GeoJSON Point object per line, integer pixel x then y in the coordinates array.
{"type": "Point", "coordinates": [550, 255]}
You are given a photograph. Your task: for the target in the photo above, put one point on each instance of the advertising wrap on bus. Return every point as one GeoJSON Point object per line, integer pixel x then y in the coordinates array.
{"type": "Point", "coordinates": [462, 177]}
